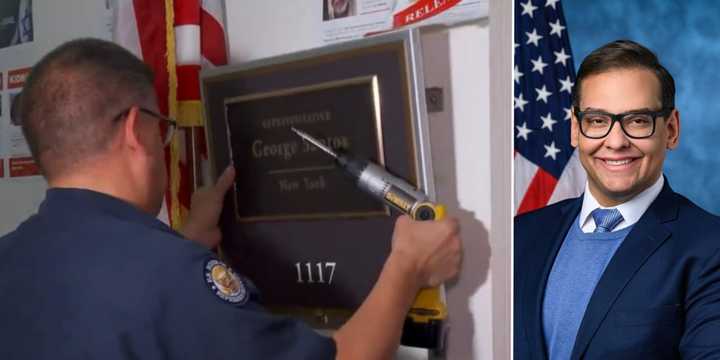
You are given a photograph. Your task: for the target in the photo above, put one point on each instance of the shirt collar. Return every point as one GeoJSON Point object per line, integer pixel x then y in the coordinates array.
{"type": "Point", "coordinates": [74, 200]}
{"type": "Point", "coordinates": [631, 210]}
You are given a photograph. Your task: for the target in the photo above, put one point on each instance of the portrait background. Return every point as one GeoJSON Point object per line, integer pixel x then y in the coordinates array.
{"type": "Point", "coordinates": [684, 34]}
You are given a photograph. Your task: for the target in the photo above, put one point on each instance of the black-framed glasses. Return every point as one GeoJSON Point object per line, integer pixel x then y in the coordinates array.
{"type": "Point", "coordinates": [596, 124]}
{"type": "Point", "coordinates": [168, 125]}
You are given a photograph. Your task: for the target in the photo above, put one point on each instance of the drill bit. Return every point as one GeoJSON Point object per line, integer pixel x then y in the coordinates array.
{"type": "Point", "coordinates": [315, 142]}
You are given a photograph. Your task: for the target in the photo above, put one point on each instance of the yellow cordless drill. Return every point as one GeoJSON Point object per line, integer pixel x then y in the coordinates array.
{"type": "Point", "coordinates": [424, 325]}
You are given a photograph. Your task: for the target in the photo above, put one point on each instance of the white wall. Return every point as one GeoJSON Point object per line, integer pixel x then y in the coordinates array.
{"type": "Point", "coordinates": [55, 22]}
{"type": "Point", "coordinates": [469, 154]}
{"type": "Point", "coordinates": [501, 159]}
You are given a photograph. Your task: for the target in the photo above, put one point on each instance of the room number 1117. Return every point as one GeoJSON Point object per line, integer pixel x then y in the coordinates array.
{"type": "Point", "coordinates": [315, 273]}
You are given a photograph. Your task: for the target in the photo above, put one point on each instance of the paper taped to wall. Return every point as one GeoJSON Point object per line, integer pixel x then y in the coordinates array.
{"type": "Point", "coordinates": [344, 20]}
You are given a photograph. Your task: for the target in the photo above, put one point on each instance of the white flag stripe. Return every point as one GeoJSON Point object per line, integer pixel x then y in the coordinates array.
{"type": "Point", "coordinates": [125, 31]}
{"type": "Point", "coordinates": [187, 44]}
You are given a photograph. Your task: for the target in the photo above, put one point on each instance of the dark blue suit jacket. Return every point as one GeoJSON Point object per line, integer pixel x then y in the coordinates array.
{"type": "Point", "coordinates": [659, 297]}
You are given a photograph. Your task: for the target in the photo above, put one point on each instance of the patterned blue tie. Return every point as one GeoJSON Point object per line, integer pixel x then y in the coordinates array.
{"type": "Point", "coordinates": [606, 219]}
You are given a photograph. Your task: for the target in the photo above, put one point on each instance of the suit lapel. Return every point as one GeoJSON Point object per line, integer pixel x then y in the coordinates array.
{"type": "Point", "coordinates": [536, 280]}
{"type": "Point", "coordinates": [645, 237]}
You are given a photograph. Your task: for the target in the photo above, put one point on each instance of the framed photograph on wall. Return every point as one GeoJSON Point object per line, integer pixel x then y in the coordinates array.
{"type": "Point", "coordinates": [16, 22]}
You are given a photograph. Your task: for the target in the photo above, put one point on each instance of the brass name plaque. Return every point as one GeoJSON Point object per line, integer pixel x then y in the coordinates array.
{"type": "Point", "coordinates": [281, 177]}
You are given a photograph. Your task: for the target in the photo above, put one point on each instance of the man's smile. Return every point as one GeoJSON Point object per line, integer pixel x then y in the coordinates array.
{"type": "Point", "coordinates": [618, 163]}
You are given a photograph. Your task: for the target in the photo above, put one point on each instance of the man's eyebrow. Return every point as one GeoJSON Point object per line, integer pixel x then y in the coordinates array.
{"type": "Point", "coordinates": [593, 109]}
{"type": "Point", "coordinates": [645, 109]}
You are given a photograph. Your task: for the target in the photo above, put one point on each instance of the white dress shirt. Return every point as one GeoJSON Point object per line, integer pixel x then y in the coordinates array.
{"type": "Point", "coordinates": [631, 210]}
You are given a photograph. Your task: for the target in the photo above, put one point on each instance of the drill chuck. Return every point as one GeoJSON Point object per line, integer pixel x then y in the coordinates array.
{"type": "Point", "coordinates": [380, 184]}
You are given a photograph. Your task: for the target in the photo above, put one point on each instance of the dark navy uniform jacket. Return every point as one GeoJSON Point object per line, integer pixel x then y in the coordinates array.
{"type": "Point", "coordinates": [92, 277]}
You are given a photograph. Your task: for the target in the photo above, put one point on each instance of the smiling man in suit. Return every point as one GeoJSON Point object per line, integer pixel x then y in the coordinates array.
{"type": "Point", "coordinates": [630, 269]}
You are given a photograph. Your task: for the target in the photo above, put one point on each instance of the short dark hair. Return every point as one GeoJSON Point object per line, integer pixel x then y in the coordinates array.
{"type": "Point", "coordinates": [71, 97]}
{"type": "Point", "coordinates": [625, 54]}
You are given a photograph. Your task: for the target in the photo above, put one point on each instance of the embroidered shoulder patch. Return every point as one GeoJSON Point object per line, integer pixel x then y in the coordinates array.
{"type": "Point", "coordinates": [224, 283]}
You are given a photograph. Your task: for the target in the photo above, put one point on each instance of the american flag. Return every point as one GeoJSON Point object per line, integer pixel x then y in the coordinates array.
{"type": "Point", "coordinates": [546, 168]}
{"type": "Point", "coordinates": [176, 38]}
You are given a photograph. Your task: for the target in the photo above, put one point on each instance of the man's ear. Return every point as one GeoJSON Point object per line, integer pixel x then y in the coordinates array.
{"type": "Point", "coordinates": [131, 130]}
{"type": "Point", "coordinates": [574, 129]}
{"type": "Point", "coordinates": [672, 126]}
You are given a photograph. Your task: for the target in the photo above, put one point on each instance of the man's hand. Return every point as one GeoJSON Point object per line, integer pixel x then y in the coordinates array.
{"type": "Point", "coordinates": [424, 254]}
{"type": "Point", "coordinates": [205, 207]}
{"type": "Point", "coordinates": [431, 249]}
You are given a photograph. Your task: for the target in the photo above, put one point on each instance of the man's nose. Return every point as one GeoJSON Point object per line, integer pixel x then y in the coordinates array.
{"type": "Point", "coordinates": [617, 139]}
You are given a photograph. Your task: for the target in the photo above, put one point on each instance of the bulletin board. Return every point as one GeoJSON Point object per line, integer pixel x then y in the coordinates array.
{"type": "Point", "coordinates": [28, 30]}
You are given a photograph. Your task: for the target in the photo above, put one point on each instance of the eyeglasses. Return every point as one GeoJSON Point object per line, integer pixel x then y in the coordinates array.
{"type": "Point", "coordinates": [595, 124]}
{"type": "Point", "coordinates": [168, 125]}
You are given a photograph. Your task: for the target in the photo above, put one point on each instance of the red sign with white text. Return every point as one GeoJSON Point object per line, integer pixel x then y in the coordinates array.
{"type": "Point", "coordinates": [17, 77]}
{"type": "Point", "coordinates": [421, 10]}
{"type": "Point", "coordinates": [23, 166]}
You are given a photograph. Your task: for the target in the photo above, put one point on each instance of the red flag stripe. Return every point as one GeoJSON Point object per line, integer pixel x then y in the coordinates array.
{"type": "Point", "coordinates": [153, 44]}
{"type": "Point", "coordinates": [188, 82]}
{"type": "Point", "coordinates": [187, 12]}
{"type": "Point", "coordinates": [539, 191]}
{"type": "Point", "coordinates": [212, 40]}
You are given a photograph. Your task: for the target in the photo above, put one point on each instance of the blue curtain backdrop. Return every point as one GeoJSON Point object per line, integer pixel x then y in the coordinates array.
{"type": "Point", "coordinates": [685, 34]}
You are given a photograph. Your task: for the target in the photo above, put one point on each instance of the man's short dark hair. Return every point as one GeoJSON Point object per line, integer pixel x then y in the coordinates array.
{"type": "Point", "coordinates": [625, 54]}
{"type": "Point", "coordinates": [72, 96]}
